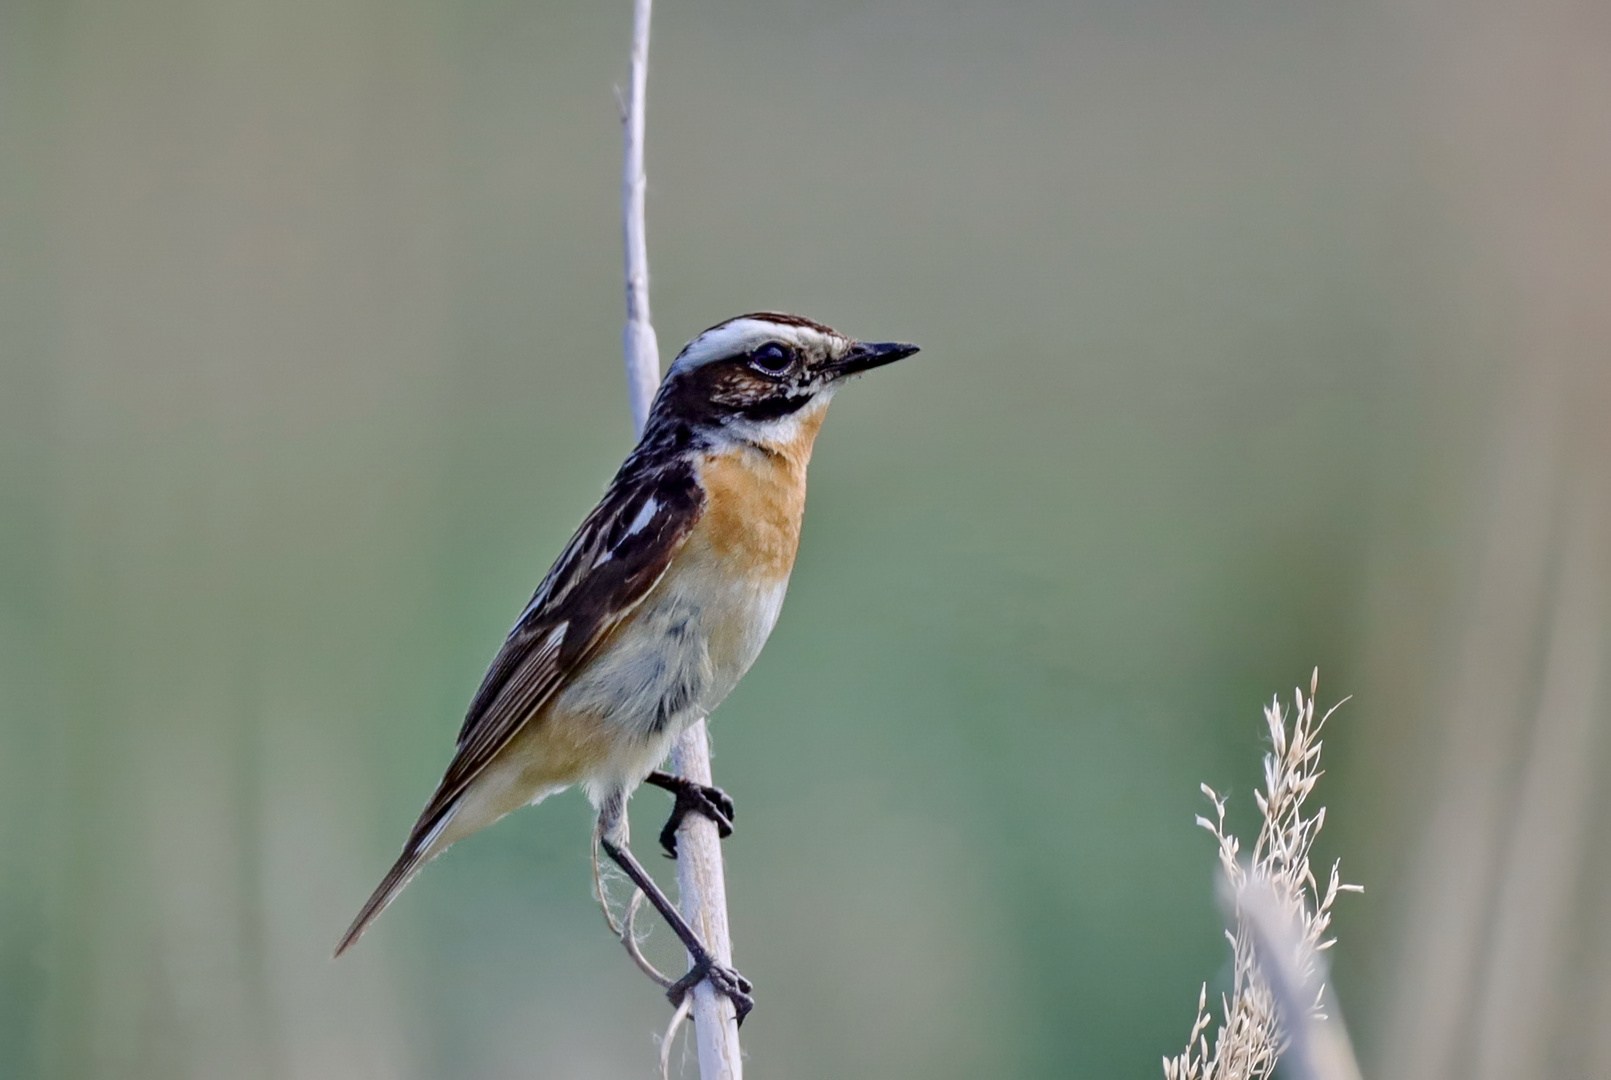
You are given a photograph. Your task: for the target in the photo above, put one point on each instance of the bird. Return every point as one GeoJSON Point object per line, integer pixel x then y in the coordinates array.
{"type": "Point", "coordinates": [654, 610]}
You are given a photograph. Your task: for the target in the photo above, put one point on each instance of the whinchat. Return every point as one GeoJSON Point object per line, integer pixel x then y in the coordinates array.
{"type": "Point", "coordinates": [655, 609]}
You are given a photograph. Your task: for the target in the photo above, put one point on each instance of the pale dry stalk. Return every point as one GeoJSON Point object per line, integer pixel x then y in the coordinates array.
{"type": "Point", "coordinates": [702, 890]}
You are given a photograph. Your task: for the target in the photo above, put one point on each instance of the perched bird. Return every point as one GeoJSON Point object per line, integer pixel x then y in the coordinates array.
{"type": "Point", "coordinates": [656, 607]}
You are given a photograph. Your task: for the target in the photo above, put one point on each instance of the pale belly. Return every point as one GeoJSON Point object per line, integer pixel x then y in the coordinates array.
{"type": "Point", "coordinates": [680, 655]}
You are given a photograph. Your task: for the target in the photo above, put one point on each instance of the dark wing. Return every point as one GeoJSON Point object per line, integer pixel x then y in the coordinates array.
{"type": "Point", "coordinates": [615, 558]}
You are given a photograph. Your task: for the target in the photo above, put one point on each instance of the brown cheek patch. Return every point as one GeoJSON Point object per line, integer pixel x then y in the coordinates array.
{"type": "Point", "coordinates": [708, 392]}
{"type": "Point", "coordinates": [738, 387]}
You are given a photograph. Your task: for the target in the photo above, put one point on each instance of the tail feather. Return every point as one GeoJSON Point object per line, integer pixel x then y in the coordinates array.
{"type": "Point", "coordinates": [407, 864]}
{"type": "Point", "coordinates": [423, 845]}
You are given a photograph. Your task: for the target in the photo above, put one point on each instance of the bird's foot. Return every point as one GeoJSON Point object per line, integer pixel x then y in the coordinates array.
{"type": "Point", "coordinates": [710, 801]}
{"type": "Point", "coordinates": [723, 979]}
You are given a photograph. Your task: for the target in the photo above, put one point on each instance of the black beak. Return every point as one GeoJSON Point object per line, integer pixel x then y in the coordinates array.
{"type": "Point", "coordinates": [866, 355]}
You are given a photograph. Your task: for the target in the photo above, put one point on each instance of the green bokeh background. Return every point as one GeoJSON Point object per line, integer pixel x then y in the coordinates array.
{"type": "Point", "coordinates": [310, 362]}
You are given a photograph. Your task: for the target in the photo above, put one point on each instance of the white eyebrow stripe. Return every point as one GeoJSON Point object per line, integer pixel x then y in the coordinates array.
{"type": "Point", "coordinates": [737, 336]}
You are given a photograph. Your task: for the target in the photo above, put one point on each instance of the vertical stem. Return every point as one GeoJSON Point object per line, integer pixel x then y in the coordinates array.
{"type": "Point", "coordinates": [702, 890]}
{"type": "Point", "coordinates": [702, 894]}
{"type": "Point", "coordinates": [642, 351]}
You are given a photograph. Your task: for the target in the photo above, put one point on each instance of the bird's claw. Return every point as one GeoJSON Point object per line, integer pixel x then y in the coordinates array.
{"type": "Point", "coordinates": [724, 980]}
{"type": "Point", "coordinates": [712, 802]}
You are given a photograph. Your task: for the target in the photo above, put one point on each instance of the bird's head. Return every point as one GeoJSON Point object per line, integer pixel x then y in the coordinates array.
{"type": "Point", "coordinates": [761, 377]}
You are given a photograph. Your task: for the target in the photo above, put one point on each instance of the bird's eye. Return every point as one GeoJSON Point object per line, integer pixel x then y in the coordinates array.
{"type": "Point", "coordinates": [773, 358]}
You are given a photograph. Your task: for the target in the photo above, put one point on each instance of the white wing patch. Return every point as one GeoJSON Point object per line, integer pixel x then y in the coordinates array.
{"type": "Point", "coordinates": [645, 515]}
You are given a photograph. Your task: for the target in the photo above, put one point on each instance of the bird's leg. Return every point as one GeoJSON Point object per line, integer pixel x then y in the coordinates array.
{"type": "Point", "coordinates": [713, 802]}
{"type": "Point", "coordinates": [723, 978]}
{"type": "Point", "coordinates": [612, 838]}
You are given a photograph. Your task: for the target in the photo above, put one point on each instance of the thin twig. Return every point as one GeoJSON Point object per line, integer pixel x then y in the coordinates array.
{"type": "Point", "coordinates": [700, 881]}
{"type": "Point", "coordinates": [626, 929]}
{"type": "Point", "coordinates": [670, 1036]}
{"type": "Point", "coordinates": [629, 938]}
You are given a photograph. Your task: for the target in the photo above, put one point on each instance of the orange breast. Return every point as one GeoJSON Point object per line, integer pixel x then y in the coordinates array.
{"type": "Point", "coordinates": [754, 502]}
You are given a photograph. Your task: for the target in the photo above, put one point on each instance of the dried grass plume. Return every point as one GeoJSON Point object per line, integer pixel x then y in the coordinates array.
{"type": "Point", "coordinates": [1280, 1003]}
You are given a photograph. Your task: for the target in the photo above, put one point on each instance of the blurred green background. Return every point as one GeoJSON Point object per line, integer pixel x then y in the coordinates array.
{"type": "Point", "coordinates": [1257, 335]}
